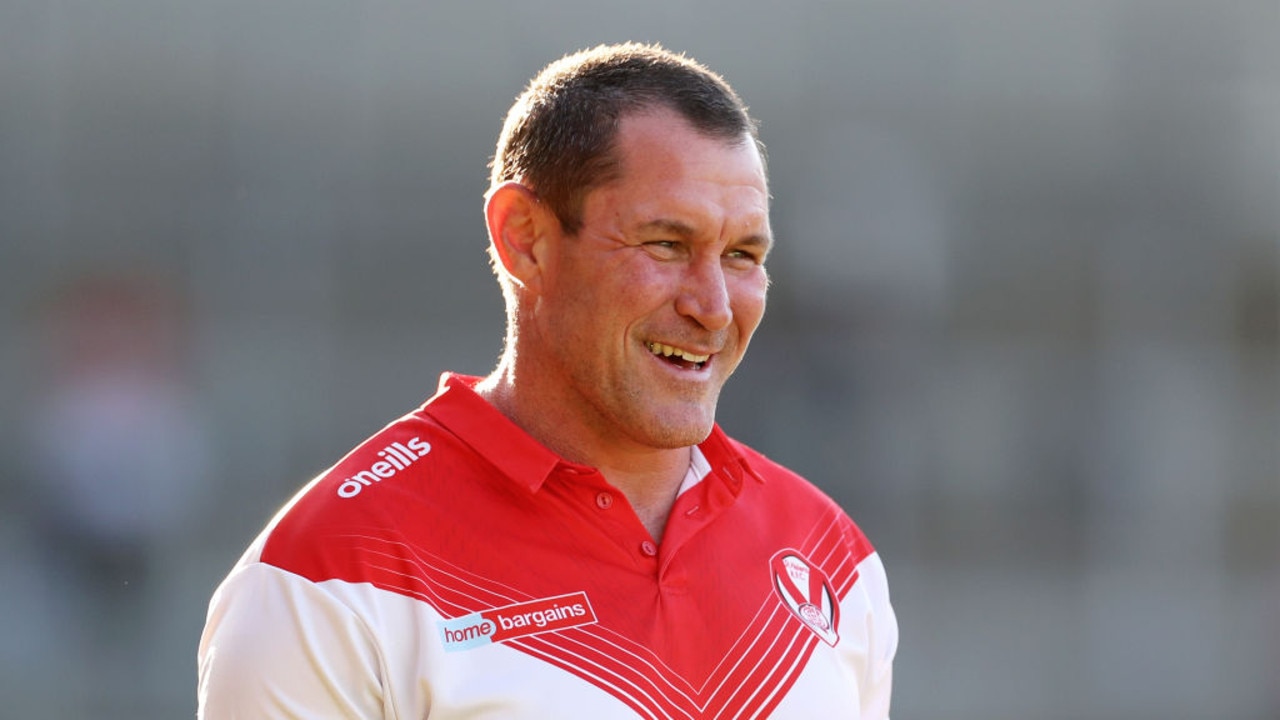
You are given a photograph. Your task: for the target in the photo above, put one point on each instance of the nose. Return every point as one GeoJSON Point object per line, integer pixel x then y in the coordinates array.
{"type": "Point", "coordinates": [704, 294]}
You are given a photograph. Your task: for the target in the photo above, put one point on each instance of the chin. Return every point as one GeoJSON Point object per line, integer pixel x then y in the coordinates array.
{"type": "Point", "coordinates": [678, 433]}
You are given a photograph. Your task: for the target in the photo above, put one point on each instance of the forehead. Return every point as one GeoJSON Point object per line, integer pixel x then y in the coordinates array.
{"type": "Point", "coordinates": [666, 165]}
{"type": "Point", "coordinates": [659, 133]}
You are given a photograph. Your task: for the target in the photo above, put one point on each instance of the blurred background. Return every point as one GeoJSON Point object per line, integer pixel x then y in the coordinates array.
{"type": "Point", "coordinates": [1025, 322]}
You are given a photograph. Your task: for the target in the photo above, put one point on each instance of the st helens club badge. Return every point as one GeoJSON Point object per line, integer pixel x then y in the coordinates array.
{"type": "Point", "coordinates": [805, 589]}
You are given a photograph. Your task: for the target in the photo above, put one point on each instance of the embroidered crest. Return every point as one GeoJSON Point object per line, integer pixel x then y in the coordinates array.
{"type": "Point", "coordinates": [805, 589]}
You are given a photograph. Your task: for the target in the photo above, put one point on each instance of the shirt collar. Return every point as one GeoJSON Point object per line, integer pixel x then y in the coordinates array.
{"type": "Point", "coordinates": [458, 407]}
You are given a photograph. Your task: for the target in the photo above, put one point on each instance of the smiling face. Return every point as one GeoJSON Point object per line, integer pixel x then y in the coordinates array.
{"type": "Point", "coordinates": [644, 313]}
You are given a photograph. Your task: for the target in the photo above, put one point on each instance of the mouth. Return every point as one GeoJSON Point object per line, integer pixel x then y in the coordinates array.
{"type": "Point", "coordinates": [679, 357]}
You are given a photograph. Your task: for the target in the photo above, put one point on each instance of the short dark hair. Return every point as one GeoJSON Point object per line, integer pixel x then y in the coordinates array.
{"type": "Point", "coordinates": [559, 136]}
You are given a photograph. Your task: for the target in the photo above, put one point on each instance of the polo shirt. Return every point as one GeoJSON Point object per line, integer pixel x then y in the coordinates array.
{"type": "Point", "coordinates": [452, 567]}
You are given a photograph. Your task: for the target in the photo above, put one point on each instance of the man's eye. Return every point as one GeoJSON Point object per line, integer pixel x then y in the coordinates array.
{"type": "Point", "coordinates": [663, 248]}
{"type": "Point", "coordinates": [743, 255]}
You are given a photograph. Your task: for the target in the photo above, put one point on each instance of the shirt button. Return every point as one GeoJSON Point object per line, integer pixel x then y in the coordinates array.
{"type": "Point", "coordinates": [604, 501]}
{"type": "Point", "coordinates": [648, 548]}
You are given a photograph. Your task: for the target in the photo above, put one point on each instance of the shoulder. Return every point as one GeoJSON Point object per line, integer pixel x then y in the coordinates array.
{"type": "Point", "coordinates": [362, 503]}
{"type": "Point", "coordinates": [784, 493]}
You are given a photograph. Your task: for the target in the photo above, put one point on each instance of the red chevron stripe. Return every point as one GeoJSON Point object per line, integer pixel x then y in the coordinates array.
{"type": "Point", "coordinates": [756, 673]}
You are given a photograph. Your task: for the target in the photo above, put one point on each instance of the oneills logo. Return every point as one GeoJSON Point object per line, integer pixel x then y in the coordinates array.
{"type": "Point", "coordinates": [395, 457]}
{"type": "Point", "coordinates": [807, 592]}
{"type": "Point", "coordinates": [516, 621]}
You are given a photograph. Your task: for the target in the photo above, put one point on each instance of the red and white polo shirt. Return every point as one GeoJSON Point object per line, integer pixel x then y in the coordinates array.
{"type": "Point", "coordinates": [452, 567]}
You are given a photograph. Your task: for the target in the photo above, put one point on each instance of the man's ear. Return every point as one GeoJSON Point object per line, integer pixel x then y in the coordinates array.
{"type": "Point", "coordinates": [519, 228]}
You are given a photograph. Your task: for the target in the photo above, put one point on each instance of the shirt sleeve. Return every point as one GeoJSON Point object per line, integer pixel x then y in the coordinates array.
{"type": "Point", "coordinates": [877, 685]}
{"type": "Point", "coordinates": [276, 645]}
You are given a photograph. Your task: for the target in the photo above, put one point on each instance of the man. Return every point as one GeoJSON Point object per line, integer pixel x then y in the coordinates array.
{"type": "Point", "coordinates": [573, 536]}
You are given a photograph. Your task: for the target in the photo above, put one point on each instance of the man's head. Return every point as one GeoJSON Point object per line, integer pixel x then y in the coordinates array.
{"type": "Point", "coordinates": [559, 136]}
{"type": "Point", "coordinates": [626, 318]}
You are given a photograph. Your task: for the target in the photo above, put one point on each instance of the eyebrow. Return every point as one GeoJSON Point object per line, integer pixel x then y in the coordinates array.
{"type": "Point", "coordinates": [685, 231]}
{"type": "Point", "coordinates": [669, 227]}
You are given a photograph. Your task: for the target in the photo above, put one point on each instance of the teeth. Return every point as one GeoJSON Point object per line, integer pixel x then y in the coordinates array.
{"type": "Point", "coordinates": [669, 351]}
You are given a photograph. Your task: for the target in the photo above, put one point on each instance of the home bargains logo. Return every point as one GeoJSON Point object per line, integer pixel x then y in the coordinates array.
{"type": "Point", "coordinates": [516, 621]}
{"type": "Point", "coordinates": [806, 591]}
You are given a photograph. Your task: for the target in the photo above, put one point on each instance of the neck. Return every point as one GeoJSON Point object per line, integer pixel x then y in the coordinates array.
{"type": "Point", "coordinates": [649, 477]}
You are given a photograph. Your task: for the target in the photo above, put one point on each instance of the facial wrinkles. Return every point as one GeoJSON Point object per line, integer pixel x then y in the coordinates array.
{"type": "Point", "coordinates": [716, 297]}
{"type": "Point", "coordinates": [623, 306]}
